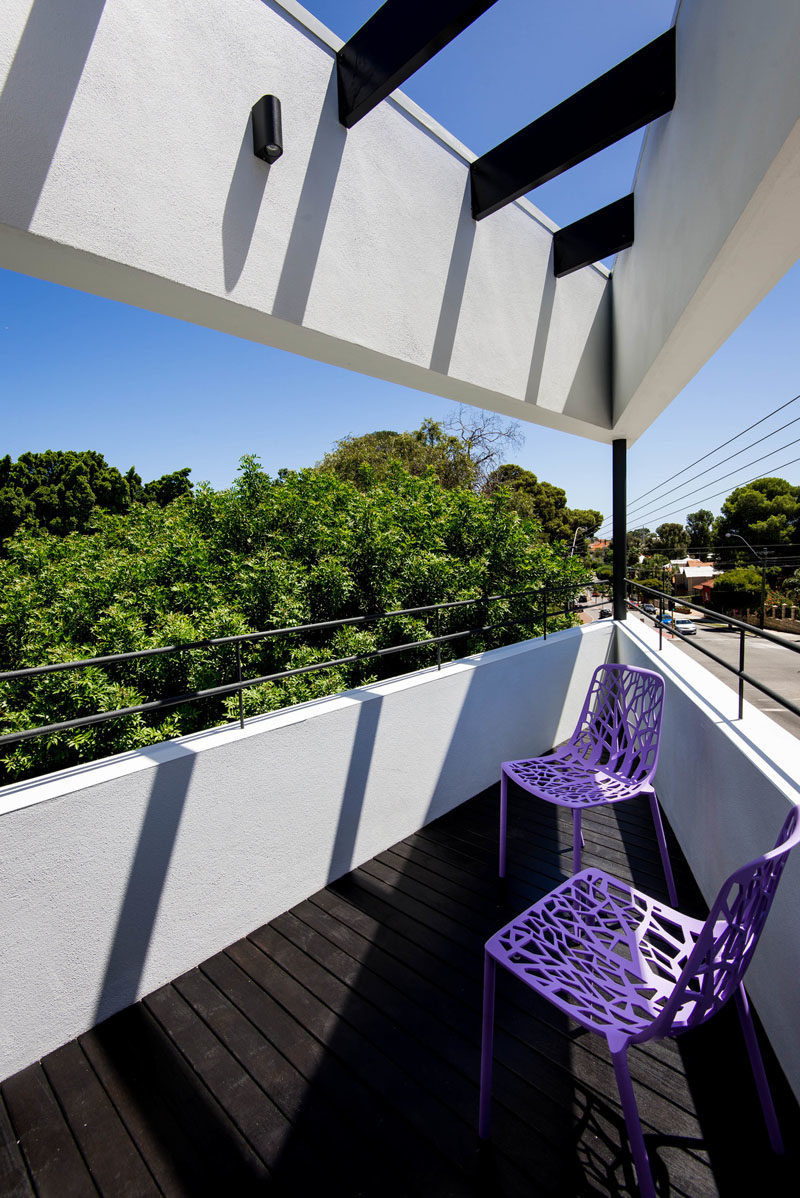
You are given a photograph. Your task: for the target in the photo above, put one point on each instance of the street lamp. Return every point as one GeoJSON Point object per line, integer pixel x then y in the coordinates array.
{"type": "Point", "coordinates": [574, 539]}
{"type": "Point", "coordinates": [762, 561]}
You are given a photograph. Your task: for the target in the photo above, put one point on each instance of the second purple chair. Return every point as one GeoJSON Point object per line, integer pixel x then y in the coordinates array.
{"type": "Point", "coordinates": [632, 969]}
{"type": "Point", "coordinates": [611, 756]}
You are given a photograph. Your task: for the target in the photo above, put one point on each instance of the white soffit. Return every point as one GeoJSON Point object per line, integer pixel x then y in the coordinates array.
{"type": "Point", "coordinates": [128, 171]}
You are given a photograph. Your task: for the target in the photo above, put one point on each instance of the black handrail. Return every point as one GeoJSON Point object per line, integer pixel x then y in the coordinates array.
{"type": "Point", "coordinates": [242, 684]}
{"type": "Point", "coordinates": [743, 629]}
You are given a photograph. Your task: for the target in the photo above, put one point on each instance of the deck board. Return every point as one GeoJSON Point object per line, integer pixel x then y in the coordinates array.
{"type": "Point", "coordinates": [336, 1049]}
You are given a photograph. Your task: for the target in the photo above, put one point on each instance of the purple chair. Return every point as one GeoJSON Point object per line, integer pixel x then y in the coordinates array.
{"type": "Point", "coordinates": [633, 969]}
{"type": "Point", "coordinates": [611, 756]}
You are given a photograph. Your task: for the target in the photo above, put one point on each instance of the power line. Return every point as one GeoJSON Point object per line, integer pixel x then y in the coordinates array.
{"type": "Point", "coordinates": [725, 491]}
{"type": "Point", "coordinates": [711, 452]}
{"type": "Point", "coordinates": [729, 458]}
{"type": "Point", "coordinates": [647, 515]}
{"type": "Point", "coordinates": [632, 505]}
{"type": "Point", "coordinates": [688, 498]}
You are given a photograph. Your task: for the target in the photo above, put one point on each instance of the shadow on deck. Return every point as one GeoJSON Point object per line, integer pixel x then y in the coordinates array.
{"type": "Point", "coordinates": [337, 1048]}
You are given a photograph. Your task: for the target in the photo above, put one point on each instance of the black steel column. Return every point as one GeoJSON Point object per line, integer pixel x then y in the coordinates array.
{"type": "Point", "coordinates": [619, 533]}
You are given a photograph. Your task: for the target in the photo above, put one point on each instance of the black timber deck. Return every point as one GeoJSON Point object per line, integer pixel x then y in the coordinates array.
{"type": "Point", "coordinates": [336, 1050]}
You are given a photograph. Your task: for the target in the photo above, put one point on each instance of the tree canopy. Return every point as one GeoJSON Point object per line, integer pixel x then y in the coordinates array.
{"type": "Point", "coordinates": [268, 552]}
{"type": "Point", "coordinates": [765, 511]}
{"type": "Point", "coordinates": [59, 490]}
{"type": "Point", "coordinates": [700, 530]}
{"type": "Point", "coordinates": [544, 503]}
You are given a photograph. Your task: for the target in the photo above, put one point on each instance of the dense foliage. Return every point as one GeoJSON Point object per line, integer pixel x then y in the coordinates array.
{"type": "Point", "coordinates": [738, 588]}
{"type": "Point", "coordinates": [368, 459]}
{"type": "Point", "coordinates": [541, 501]}
{"type": "Point", "coordinates": [59, 490]}
{"type": "Point", "coordinates": [766, 511]}
{"type": "Point", "coordinates": [267, 553]}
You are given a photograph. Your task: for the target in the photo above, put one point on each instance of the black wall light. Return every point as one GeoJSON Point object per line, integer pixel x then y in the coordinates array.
{"type": "Point", "coordinates": [267, 129]}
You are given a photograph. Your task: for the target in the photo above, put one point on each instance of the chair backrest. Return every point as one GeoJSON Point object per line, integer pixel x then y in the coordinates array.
{"type": "Point", "coordinates": [619, 727]}
{"type": "Point", "coordinates": [719, 959]}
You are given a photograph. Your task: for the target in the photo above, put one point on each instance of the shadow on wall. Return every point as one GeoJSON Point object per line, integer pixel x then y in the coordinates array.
{"type": "Point", "coordinates": [242, 207]}
{"type": "Point", "coordinates": [305, 241]}
{"type": "Point", "coordinates": [479, 730]}
{"type": "Point", "coordinates": [543, 320]}
{"type": "Point", "coordinates": [455, 283]}
{"type": "Point", "coordinates": [140, 905]}
{"type": "Point", "coordinates": [355, 786]}
{"type": "Point", "coordinates": [579, 402]}
{"type": "Point", "coordinates": [43, 79]}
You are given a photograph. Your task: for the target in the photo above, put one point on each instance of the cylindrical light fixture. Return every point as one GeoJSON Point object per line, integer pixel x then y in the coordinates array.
{"type": "Point", "coordinates": [267, 129]}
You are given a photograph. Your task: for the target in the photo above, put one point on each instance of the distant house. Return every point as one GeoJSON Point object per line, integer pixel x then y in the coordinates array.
{"type": "Point", "coordinates": [703, 590]}
{"type": "Point", "coordinates": [597, 546]}
{"type": "Point", "coordinates": [690, 572]}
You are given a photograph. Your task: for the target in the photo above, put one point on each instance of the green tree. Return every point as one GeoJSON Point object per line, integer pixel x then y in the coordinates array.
{"type": "Point", "coordinates": [740, 587]}
{"type": "Point", "coordinates": [700, 530]}
{"type": "Point", "coordinates": [267, 552]}
{"type": "Point", "coordinates": [368, 459]}
{"type": "Point", "coordinates": [168, 488]}
{"type": "Point", "coordinates": [542, 502]}
{"type": "Point", "coordinates": [766, 511]}
{"type": "Point", "coordinates": [59, 490]}
{"type": "Point", "coordinates": [671, 540]}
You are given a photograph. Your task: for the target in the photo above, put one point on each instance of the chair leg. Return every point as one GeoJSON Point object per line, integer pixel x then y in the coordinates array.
{"type": "Point", "coordinates": [662, 848]}
{"type": "Point", "coordinates": [503, 821]}
{"type": "Point", "coordinates": [759, 1073]}
{"type": "Point", "coordinates": [577, 840]}
{"type": "Point", "coordinates": [629, 1109]}
{"type": "Point", "coordinates": [487, 1046]}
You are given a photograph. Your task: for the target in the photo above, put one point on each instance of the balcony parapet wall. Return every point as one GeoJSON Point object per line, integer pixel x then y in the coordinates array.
{"type": "Point", "coordinates": [120, 875]}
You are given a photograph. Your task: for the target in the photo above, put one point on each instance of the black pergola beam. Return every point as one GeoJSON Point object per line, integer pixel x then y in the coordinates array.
{"type": "Point", "coordinates": [627, 97]}
{"type": "Point", "coordinates": [394, 43]}
{"type": "Point", "coordinates": [604, 232]}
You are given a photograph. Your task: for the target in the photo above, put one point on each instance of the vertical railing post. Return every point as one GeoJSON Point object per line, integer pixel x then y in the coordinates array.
{"type": "Point", "coordinates": [544, 606]}
{"type": "Point", "coordinates": [619, 449]}
{"type": "Point", "coordinates": [438, 646]}
{"type": "Point", "coordinates": [741, 671]}
{"type": "Point", "coordinates": [239, 679]}
{"type": "Point", "coordinates": [660, 620]}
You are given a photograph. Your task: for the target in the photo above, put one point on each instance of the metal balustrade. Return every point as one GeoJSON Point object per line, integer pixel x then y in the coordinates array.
{"type": "Point", "coordinates": [540, 611]}
{"type": "Point", "coordinates": [743, 628]}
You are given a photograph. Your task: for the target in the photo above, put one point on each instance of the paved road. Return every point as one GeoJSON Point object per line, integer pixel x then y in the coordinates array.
{"type": "Point", "coordinates": [771, 664]}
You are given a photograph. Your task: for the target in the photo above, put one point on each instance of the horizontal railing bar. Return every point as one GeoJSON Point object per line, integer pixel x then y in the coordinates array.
{"type": "Point", "coordinates": [241, 638]}
{"type": "Point", "coordinates": [233, 687]}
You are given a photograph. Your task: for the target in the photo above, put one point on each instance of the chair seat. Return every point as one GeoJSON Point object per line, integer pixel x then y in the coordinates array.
{"type": "Point", "coordinates": [607, 955]}
{"type": "Point", "coordinates": [567, 780]}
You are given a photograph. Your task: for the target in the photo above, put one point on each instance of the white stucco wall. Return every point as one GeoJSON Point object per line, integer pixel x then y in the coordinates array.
{"type": "Point", "coordinates": [118, 876]}
{"type": "Point", "coordinates": [726, 786]}
{"type": "Point", "coordinates": [127, 170]}
{"type": "Point", "coordinates": [717, 200]}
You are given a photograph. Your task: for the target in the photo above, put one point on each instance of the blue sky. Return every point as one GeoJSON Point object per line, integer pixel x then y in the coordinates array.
{"type": "Point", "coordinates": [81, 372]}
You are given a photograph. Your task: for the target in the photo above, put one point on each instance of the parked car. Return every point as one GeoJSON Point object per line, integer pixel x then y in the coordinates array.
{"type": "Point", "coordinates": [649, 608]}
{"type": "Point", "coordinates": [605, 613]}
{"type": "Point", "coordinates": [680, 624]}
